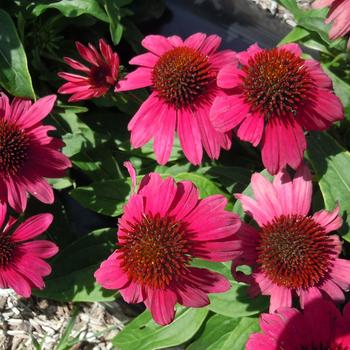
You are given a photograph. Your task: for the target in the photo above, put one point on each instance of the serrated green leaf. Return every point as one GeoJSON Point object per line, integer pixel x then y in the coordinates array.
{"type": "Point", "coordinates": [143, 334]}
{"type": "Point", "coordinates": [74, 8]}
{"type": "Point", "coordinates": [14, 73]}
{"type": "Point", "coordinates": [331, 163]}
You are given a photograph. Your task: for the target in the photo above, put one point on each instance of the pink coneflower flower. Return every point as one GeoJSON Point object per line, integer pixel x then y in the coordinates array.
{"type": "Point", "coordinates": [101, 75]}
{"type": "Point", "coordinates": [292, 252]}
{"type": "Point", "coordinates": [164, 226]}
{"type": "Point", "coordinates": [320, 326]}
{"type": "Point", "coordinates": [182, 75]}
{"type": "Point", "coordinates": [22, 265]}
{"type": "Point", "coordinates": [273, 96]}
{"type": "Point", "coordinates": [339, 14]}
{"type": "Point", "coordinates": [27, 153]}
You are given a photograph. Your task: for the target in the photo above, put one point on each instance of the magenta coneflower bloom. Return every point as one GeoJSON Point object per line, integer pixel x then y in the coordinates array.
{"type": "Point", "coordinates": [22, 265]}
{"type": "Point", "coordinates": [182, 76]}
{"type": "Point", "coordinates": [320, 326]}
{"type": "Point", "coordinates": [164, 226]}
{"type": "Point", "coordinates": [339, 16]}
{"type": "Point", "coordinates": [100, 75]}
{"type": "Point", "coordinates": [274, 95]}
{"type": "Point", "coordinates": [27, 153]}
{"type": "Point", "coordinates": [292, 252]}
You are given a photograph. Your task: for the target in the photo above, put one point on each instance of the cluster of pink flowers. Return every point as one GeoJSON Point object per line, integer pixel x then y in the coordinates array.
{"type": "Point", "coordinates": [267, 97]}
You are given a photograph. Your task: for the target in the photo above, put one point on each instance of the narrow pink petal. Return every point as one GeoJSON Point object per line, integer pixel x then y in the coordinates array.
{"type": "Point", "coordinates": [19, 106]}
{"type": "Point", "coordinates": [266, 196]}
{"type": "Point", "coordinates": [280, 297]}
{"type": "Point", "coordinates": [37, 112]}
{"type": "Point", "coordinates": [133, 293]}
{"type": "Point", "coordinates": [341, 273]}
{"type": "Point", "coordinates": [284, 187]}
{"type": "Point", "coordinates": [191, 296]}
{"type": "Point", "coordinates": [219, 59]}
{"type": "Point", "coordinates": [110, 275]}
{"type": "Point", "coordinates": [86, 53]}
{"type": "Point", "coordinates": [164, 136]}
{"type": "Point", "coordinates": [211, 139]}
{"type": "Point", "coordinates": [302, 190]}
{"type": "Point", "coordinates": [32, 227]}
{"type": "Point", "coordinates": [292, 47]}
{"type": "Point", "coordinates": [157, 44]}
{"type": "Point", "coordinates": [230, 76]}
{"type": "Point", "coordinates": [3, 210]}
{"type": "Point", "coordinates": [17, 282]}
{"type": "Point", "coordinates": [254, 209]}
{"type": "Point", "coordinates": [186, 199]}
{"type": "Point", "coordinates": [227, 112]}
{"type": "Point", "coordinates": [218, 251]}
{"type": "Point", "coordinates": [190, 137]}
{"type": "Point", "coordinates": [330, 221]}
{"type": "Point", "coordinates": [162, 306]}
{"type": "Point", "coordinates": [131, 170]}
{"type": "Point", "coordinates": [74, 78]}
{"type": "Point", "coordinates": [17, 197]}
{"type": "Point", "coordinates": [210, 44]}
{"type": "Point", "coordinates": [147, 59]}
{"type": "Point", "coordinates": [251, 129]}
{"type": "Point", "coordinates": [195, 41]}
{"type": "Point", "coordinates": [175, 40]}
{"type": "Point", "coordinates": [333, 291]}
{"type": "Point", "coordinates": [76, 65]}
{"type": "Point", "coordinates": [41, 249]}
{"type": "Point", "coordinates": [76, 87]}
{"type": "Point", "coordinates": [149, 184]}
{"type": "Point", "coordinates": [87, 94]}
{"type": "Point", "coordinates": [5, 109]}
{"type": "Point", "coordinates": [137, 79]}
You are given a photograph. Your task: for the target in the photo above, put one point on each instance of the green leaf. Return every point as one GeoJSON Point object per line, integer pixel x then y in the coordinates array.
{"type": "Point", "coordinates": [331, 163]}
{"type": "Point", "coordinates": [14, 73]}
{"type": "Point", "coordinates": [143, 334]}
{"type": "Point", "coordinates": [292, 6]}
{"type": "Point", "coordinates": [73, 269]}
{"type": "Point", "coordinates": [213, 329]}
{"type": "Point", "coordinates": [238, 336]}
{"type": "Point", "coordinates": [296, 34]}
{"type": "Point", "coordinates": [114, 15]}
{"type": "Point", "coordinates": [236, 302]}
{"type": "Point", "coordinates": [74, 8]}
{"type": "Point", "coordinates": [105, 197]}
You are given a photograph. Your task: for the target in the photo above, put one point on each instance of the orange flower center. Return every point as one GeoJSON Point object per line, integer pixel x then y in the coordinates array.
{"type": "Point", "coordinates": [155, 251]}
{"type": "Point", "coordinates": [295, 251]}
{"type": "Point", "coordinates": [277, 82]}
{"type": "Point", "coordinates": [182, 76]}
{"type": "Point", "coordinates": [6, 250]}
{"type": "Point", "coordinates": [14, 147]}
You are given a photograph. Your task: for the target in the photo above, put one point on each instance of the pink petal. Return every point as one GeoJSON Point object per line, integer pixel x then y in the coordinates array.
{"type": "Point", "coordinates": [137, 79]}
{"type": "Point", "coordinates": [244, 56]}
{"type": "Point", "coordinates": [219, 59]}
{"type": "Point", "coordinates": [280, 297]}
{"type": "Point", "coordinates": [251, 129]}
{"type": "Point", "coordinates": [128, 165]}
{"type": "Point", "coordinates": [227, 112]}
{"type": "Point", "coordinates": [191, 296]}
{"type": "Point", "coordinates": [37, 112]}
{"type": "Point", "coordinates": [17, 197]}
{"type": "Point", "coordinates": [258, 341]}
{"type": "Point", "coordinates": [157, 44]}
{"type": "Point", "coordinates": [162, 306]}
{"type": "Point", "coordinates": [3, 210]}
{"type": "Point", "coordinates": [190, 137]}
{"type": "Point", "coordinates": [80, 87]}
{"type": "Point", "coordinates": [32, 227]}
{"type": "Point", "coordinates": [41, 249]}
{"type": "Point", "coordinates": [318, 75]}
{"type": "Point", "coordinates": [333, 291]}
{"type": "Point", "coordinates": [308, 296]}
{"type": "Point", "coordinates": [322, 3]}
{"type": "Point", "coordinates": [19, 106]}
{"type": "Point", "coordinates": [330, 221]}
{"type": "Point", "coordinates": [17, 282]}
{"type": "Point", "coordinates": [74, 78]}
{"type": "Point", "coordinates": [292, 47]}
{"type": "Point", "coordinates": [76, 65]}
{"type": "Point", "coordinates": [5, 109]}
{"type": "Point", "coordinates": [133, 293]}
{"type": "Point", "coordinates": [230, 76]}
{"type": "Point", "coordinates": [195, 41]}
{"type": "Point", "coordinates": [175, 40]}
{"type": "Point", "coordinates": [145, 60]}
{"type": "Point", "coordinates": [255, 210]}
{"type": "Point", "coordinates": [302, 190]}
{"type": "Point", "coordinates": [87, 53]}
{"type": "Point", "coordinates": [284, 187]}
{"type": "Point", "coordinates": [210, 44]}
{"type": "Point", "coordinates": [164, 136]}
{"type": "Point", "coordinates": [110, 275]}
{"type": "Point", "coordinates": [341, 273]}
{"type": "Point", "coordinates": [186, 198]}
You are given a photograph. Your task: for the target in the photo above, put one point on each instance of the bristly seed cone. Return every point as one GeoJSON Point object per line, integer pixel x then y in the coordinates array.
{"type": "Point", "coordinates": [14, 146]}
{"type": "Point", "coordinates": [295, 251]}
{"type": "Point", "coordinates": [277, 82]}
{"type": "Point", "coordinates": [6, 250]}
{"type": "Point", "coordinates": [155, 251]}
{"type": "Point", "coordinates": [182, 77]}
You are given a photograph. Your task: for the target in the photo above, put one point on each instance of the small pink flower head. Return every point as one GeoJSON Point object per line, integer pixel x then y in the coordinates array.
{"type": "Point", "coordinates": [292, 252]}
{"type": "Point", "coordinates": [339, 15]}
{"type": "Point", "coordinates": [27, 153]}
{"type": "Point", "coordinates": [99, 77]}
{"type": "Point", "coordinates": [182, 75]}
{"type": "Point", "coordinates": [273, 96]}
{"type": "Point", "coordinates": [22, 265]}
{"type": "Point", "coordinates": [164, 226]}
{"type": "Point", "coordinates": [319, 326]}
